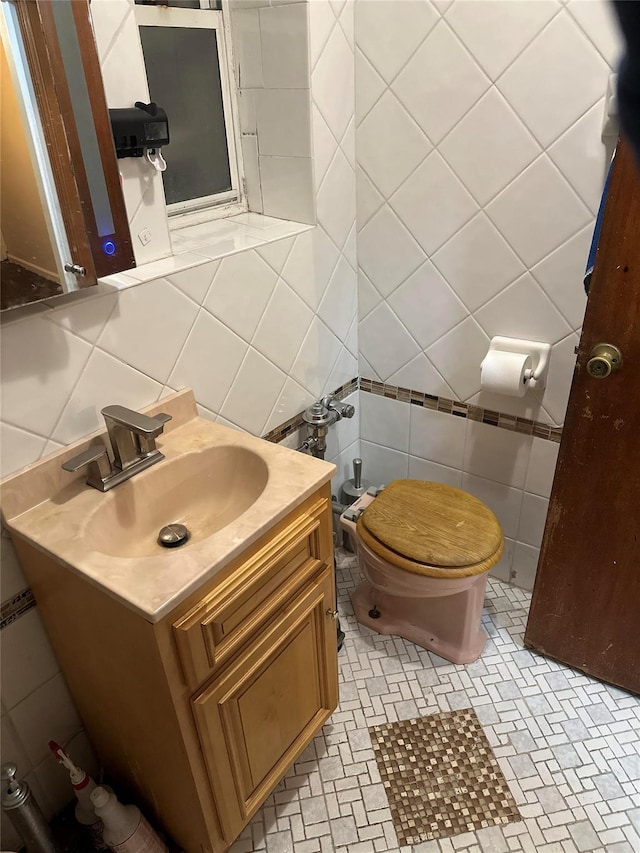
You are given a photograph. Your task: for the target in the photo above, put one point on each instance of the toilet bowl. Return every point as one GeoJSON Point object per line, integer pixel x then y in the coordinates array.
{"type": "Point", "coordinates": [424, 549]}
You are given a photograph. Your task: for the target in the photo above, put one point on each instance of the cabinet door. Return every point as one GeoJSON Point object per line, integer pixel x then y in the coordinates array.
{"type": "Point", "coordinates": [265, 708]}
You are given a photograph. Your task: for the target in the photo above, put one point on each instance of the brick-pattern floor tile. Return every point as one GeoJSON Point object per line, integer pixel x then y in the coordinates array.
{"type": "Point", "coordinates": [568, 746]}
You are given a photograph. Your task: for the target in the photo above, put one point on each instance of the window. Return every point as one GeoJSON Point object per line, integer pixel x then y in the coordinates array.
{"type": "Point", "coordinates": [185, 49]}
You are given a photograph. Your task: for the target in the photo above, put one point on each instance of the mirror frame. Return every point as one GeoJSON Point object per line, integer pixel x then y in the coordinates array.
{"type": "Point", "coordinates": [44, 59]}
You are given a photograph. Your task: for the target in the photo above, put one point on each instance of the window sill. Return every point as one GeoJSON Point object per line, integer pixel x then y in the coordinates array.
{"type": "Point", "coordinates": [199, 244]}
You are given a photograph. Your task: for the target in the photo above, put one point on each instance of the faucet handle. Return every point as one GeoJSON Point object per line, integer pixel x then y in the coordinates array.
{"type": "Point", "coordinates": [97, 458]}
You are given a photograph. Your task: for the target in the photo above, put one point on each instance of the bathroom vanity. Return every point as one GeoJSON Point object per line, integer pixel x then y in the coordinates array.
{"type": "Point", "coordinates": [201, 672]}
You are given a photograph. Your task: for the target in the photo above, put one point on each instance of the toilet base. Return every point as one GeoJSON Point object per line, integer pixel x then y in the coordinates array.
{"type": "Point", "coordinates": [448, 626]}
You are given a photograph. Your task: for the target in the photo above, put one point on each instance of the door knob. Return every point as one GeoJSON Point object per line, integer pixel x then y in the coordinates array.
{"type": "Point", "coordinates": [604, 359]}
{"type": "Point", "coordinates": [333, 613]}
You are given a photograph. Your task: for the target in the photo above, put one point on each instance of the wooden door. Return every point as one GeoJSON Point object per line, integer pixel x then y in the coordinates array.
{"type": "Point", "coordinates": [260, 714]}
{"type": "Point", "coordinates": [586, 601]}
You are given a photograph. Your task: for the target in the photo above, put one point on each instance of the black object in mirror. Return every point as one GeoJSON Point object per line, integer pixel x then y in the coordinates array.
{"type": "Point", "coordinates": [139, 128]}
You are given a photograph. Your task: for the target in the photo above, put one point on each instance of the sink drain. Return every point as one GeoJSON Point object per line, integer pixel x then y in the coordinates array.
{"type": "Point", "coordinates": [173, 535]}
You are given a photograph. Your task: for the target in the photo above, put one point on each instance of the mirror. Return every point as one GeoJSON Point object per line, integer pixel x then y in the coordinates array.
{"type": "Point", "coordinates": [63, 222]}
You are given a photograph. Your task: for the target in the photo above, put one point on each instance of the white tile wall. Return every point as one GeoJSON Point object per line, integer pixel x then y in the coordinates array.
{"type": "Point", "coordinates": [480, 168]}
{"type": "Point", "coordinates": [478, 148]}
{"type": "Point", "coordinates": [259, 335]}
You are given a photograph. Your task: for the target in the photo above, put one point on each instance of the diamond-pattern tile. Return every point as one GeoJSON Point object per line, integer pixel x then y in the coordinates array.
{"type": "Point", "coordinates": [457, 356]}
{"type": "Point", "coordinates": [478, 262]}
{"type": "Point", "coordinates": [385, 342]}
{"type": "Point", "coordinates": [561, 276]}
{"type": "Point", "coordinates": [368, 199]}
{"type": "Point", "coordinates": [433, 224]}
{"type": "Point", "coordinates": [335, 102]}
{"type": "Point", "coordinates": [390, 144]}
{"type": "Point", "coordinates": [440, 82]}
{"type": "Point", "coordinates": [404, 26]}
{"type": "Point", "coordinates": [582, 158]}
{"type": "Point", "coordinates": [598, 21]}
{"type": "Point", "coordinates": [538, 211]}
{"type": "Point", "coordinates": [489, 147]}
{"type": "Point", "coordinates": [285, 311]}
{"type": "Point", "coordinates": [522, 310]}
{"type": "Point", "coordinates": [387, 252]}
{"type": "Point", "coordinates": [339, 303]}
{"type": "Point", "coordinates": [549, 102]}
{"type": "Point", "coordinates": [496, 31]}
{"type": "Point", "coordinates": [427, 287]}
{"type": "Point", "coordinates": [336, 200]}
{"type": "Point", "coordinates": [369, 85]}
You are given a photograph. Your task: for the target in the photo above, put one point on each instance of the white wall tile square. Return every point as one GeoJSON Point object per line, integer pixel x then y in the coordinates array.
{"type": "Point", "coordinates": [285, 52]}
{"type": "Point", "coordinates": [497, 454]}
{"type": "Point", "coordinates": [423, 469]}
{"type": "Point", "coordinates": [524, 566]}
{"type": "Point", "coordinates": [533, 516]}
{"type": "Point", "coordinates": [561, 276]}
{"type": "Point", "coordinates": [419, 373]}
{"type": "Point", "coordinates": [18, 448]}
{"type": "Point", "coordinates": [581, 156]}
{"type": "Point", "coordinates": [250, 400]}
{"type": "Point", "coordinates": [287, 187]}
{"type": "Point", "coordinates": [542, 466]}
{"type": "Point", "coordinates": [340, 302]}
{"type": "Point", "coordinates": [384, 421]}
{"type": "Point", "coordinates": [538, 211]}
{"type": "Point", "coordinates": [157, 305]}
{"type": "Point", "coordinates": [335, 102]}
{"type": "Point", "coordinates": [457, 357]}
{"type": "Point", "coordinates": [48, 709]}
{"type": "Point", "coordinates": [390, 144]}
{"type": "Point", "coordinates": [383, 464]}
{"type": "Point", "coordinates": [442, 308]}
{"type": "Point", "coordinates": [283, 327]}
{"type": "Point", "coordinates": [496, 31]}
{"type": "Point", "coordinates": [597, 19]}
{"type": "Point", "coordinates": [105, 380]}
{"type": "Point", "coordinates": [310, 266]}
{"type": "Point", "coordinates": [384, 341]}
{"type": "Point", "coordinates": [437, 436]}
{"type": "Point", "coordinates": [240, 292]}
{"type": "Point", "coordinates": [504, 501]}
{"type": "Point", "coordinates": [316, 356]}
{"type": "Point", "coordinates": [387, 252]}
{"type": "Point", "coordinates": [440, 82]}
{"type": "Point", "coordinates": [209, 361]}
{"type": "Point", "coordinates": [522, 310]}
{"type": "Point", "coordinates": [336, 199]}
{"type": "Point", "coordinates": [433, 223]}
{"type": "Point", "coordinates": [489, 147]}
{"type": "Point", "coordinates": [369, 86]}
{"type": "Point", "coordinates": [478, 262]}
{"type": "Point", "coordinates": [284, 122]}
{"type": "Point", "coordinates": [368, 199]}
{"type": "Point", "coordinates": [404, 26]}
{"type": "Point", "coordinates": [555, 80]}
{"type": "Point", "coordinates": [27, 659]}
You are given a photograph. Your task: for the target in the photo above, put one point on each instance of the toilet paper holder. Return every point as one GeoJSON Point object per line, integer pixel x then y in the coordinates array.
{"type": "Point", "coordinates": [538, 351]}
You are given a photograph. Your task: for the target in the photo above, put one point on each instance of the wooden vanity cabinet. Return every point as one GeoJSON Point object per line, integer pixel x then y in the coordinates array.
{"type": "Point", "coordinates": [200, 715]}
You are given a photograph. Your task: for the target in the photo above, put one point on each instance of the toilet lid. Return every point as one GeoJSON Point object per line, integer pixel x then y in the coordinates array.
{"type": "Point", "coordinates": [433, 524]}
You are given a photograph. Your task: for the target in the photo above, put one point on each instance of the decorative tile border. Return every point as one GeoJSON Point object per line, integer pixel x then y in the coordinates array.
{"type": "Point", "coordinates": [285, 429]}
{"type": "Point", "coordinates": [14, 608]}
{"type": "Point", "coordinates": [463, 410]}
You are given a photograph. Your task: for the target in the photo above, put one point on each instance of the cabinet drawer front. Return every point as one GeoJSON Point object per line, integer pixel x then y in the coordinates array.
{"type": "Point", "coordinates": [218, 625]}
{"type": "Point", "coordinates": [261, 712]}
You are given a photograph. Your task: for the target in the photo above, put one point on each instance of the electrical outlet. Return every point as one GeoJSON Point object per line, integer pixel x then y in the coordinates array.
{"type": "Point", "coordinates": [145, 236]}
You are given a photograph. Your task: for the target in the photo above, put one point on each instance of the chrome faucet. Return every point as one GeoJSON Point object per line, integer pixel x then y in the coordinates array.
{"type": "Point", "coordinates": [133, 443]}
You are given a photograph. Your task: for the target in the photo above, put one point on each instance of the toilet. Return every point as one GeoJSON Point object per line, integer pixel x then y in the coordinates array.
{"type": "Point", "coordinates": [424, 549]}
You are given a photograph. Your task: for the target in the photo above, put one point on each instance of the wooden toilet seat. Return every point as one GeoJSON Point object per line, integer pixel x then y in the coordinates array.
{"type": "Point", "coordinates": [432, 529]}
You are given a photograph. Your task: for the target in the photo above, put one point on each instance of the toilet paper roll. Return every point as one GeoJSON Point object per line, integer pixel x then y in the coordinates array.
{"type": "Point", "coordinates": [505, 373]}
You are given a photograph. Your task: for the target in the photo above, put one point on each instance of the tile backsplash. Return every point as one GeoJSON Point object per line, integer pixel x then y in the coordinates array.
{"type": "Point", "coordinates": [479, 167]}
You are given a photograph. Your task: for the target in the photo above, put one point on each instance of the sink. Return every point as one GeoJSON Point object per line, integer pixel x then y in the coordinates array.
{"type": "Point", "coordinates": [205, 491]}
{"type": "Point", "coordinates": [227, 487]}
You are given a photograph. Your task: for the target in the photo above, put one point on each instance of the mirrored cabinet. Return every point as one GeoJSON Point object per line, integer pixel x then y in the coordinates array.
{"type": "Point", "coordinates": [63, 219]}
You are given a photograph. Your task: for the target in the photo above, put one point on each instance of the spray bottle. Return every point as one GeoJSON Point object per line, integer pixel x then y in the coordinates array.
{"type": "Point", "coordinates": [83, 785]}
{"type": "Point", "coordinates": [24, 812]}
